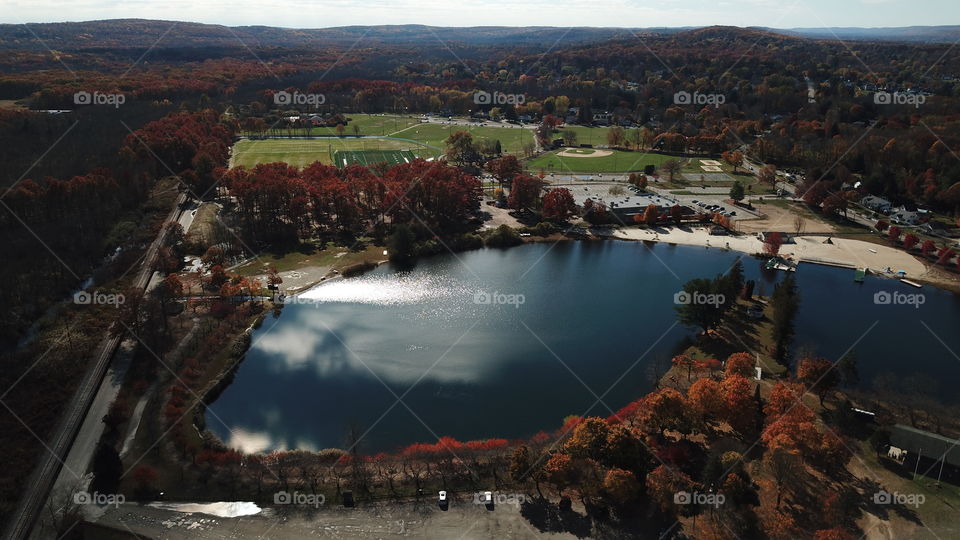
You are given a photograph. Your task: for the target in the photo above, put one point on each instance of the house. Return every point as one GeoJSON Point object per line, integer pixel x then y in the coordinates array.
{"type": "Point", "coordinates": [925, 444]}
{"type": "Point", "coordinates": [877, 204]}
{"type": "Point", "coordinates": [902, 216]}
{"type": "Point", "coordinates": [602, 118]}
{"type": "Point", "coordinates": [573, 115]}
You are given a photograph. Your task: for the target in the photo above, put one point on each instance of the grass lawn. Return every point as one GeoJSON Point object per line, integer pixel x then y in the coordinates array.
{"type": "Point", "coordinates": [617, 161]}
{"type": "Point", "coordinates": [370, 124]}
{"type": "Point", "coordinates": [511, 139]}
{"type": "Point", "coordinates": [303, 152]}
{"type": "Point", "coordinates": [308, 254]}
{"type": "Point", "coordinates": [586, 134]}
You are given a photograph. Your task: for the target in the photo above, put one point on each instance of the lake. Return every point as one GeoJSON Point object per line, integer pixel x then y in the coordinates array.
{"type": "Point", "coordinates": [505, 343]}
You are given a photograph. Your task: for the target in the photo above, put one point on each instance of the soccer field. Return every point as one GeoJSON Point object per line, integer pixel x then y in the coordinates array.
{"type": "Point", "coordinates": [511, 139]}
{"type": "Point", "coordinates": [303, 152]}
{"type": "Point", "coordinates": [608, 161]}
{"type": "Point", "coordinates": [342, 158]}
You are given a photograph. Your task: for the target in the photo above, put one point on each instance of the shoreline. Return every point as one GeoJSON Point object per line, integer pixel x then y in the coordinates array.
{"type": "Point", "coordinates": [840, 252]}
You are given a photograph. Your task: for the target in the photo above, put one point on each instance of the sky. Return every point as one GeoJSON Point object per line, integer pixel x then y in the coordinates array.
{"type": "Point", "coordinates": [562, 13]}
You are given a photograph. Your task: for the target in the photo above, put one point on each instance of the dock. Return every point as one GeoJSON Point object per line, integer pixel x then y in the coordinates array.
{"type": "Point", "coordinates": [827, 262]}
{"type": "Point", "coordinates": [911, 283]}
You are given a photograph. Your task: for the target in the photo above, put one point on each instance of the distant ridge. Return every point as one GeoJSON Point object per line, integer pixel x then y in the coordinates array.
{"type": "Point", "coordinates": [144, 33]}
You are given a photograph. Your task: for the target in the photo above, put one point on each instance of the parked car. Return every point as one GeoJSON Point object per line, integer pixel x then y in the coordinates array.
{"type": "Point", "coordinates": [442, 500]}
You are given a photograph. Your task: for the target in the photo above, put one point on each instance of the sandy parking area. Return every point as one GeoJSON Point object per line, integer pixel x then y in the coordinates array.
{"type": "Point", "coordinates": [781, 219]}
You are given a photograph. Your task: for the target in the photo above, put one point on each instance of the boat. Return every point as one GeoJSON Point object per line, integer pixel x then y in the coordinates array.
{"type": "Point", "coordinates": [777, 263]}
{"type": "Point", "coordinates": [859, 275]}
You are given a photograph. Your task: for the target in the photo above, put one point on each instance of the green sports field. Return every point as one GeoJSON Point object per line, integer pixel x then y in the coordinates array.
{"type": "Point", "coordinates": [342, 158]}
{"type": "Point", "coordinates": [511, 139]}
{"type": "Point", "coordinates": [303, 152]}
{"type": "Point", "coordinates": [589, 161]}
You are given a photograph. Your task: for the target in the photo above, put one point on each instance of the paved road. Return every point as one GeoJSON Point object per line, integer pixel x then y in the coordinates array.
{"type": "Point", "coordinates": [46, 473]}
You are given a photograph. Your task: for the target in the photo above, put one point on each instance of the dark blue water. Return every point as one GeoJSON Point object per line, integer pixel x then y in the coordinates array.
{"type": "Point", "coordinates": [597, 323]}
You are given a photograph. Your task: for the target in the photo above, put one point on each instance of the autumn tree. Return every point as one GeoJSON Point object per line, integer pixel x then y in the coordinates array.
{"type": "Point", "coordinates": [664, 483]}
{"type": "Point", "coordinates": [767, 174]}
{"type": "Point", "coordinates": [772, 242]}
{"type": "Point", "coordinates": [910, 240]}
{"type": "Point", "coordinates": [460, 149]}
{"type": "Point", "coordinates": [819, 376]}
{"type": "Point", "coordinates": [671, 167]}
{"type": "Point", "coordinates": [734, 159]}
{"type": "Point", "coordinates": [559, 471]}
{"type": "Point", "coordinates": [558, 205]}
{"type": "Point", "coordinates": [525, 192]}
{"type": "Point", "coordinates": [683, 361]}
{"type": "Point", "coordinates": [588, 440]}
{"type": "Point", "coordinates": [706, 399]}
{"type": "Point", "coordinates": [740, 363]}
{"type": "Point", "coordinates": [739, 405]}
{"type": "Point", "coordinates": [621, 487]}
{"type": "Point", "coordinates": [504, 169]}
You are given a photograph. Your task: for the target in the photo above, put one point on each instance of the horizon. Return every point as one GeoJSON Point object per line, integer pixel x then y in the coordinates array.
{"type": "Point", "coordinates": [809, 14]}
{"type": "Point", "coordinates": [399, 25]}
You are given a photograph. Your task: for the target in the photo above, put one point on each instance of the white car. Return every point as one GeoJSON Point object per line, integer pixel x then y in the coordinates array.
{"type": "Point", "coordinates": [488, 497]}
{"type": "Point", "coordinates": [443, 497]}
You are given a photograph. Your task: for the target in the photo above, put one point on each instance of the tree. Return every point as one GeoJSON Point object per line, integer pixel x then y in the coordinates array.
{"type": "Point", "coordinates": [928, 248]}
{"type": "Point", "coordinates": [525, 192]}
{"type": "Point", "coordinates": [737, 192]}
{"type": "Point", "coordinates": [520, 464]}
{"type": "Point", "coordinates": [624, 450]}
{"type": "Point", "coordinates": [768, 174]}
{"type": "Point", "coordinates": [815, 194]}
{"type": "Point", "coordinates": [893, 233]}
{"type": "Point", "coordinates": [772, 242]}
{"type": "Point", "coordinates": [683, 361]}
{"type": "Point", "coordinates": [734, 159]}
{"type": "Point", "coordinates": [706, 399]}
{"type": "Point", "coordinates": [460, 149]}
{"type": "Point", "coordinates": [504, 169]}
{"type": "Point", "coordinates": [651, 215]}
{"type": "Point", "coordinates": [910, 240]}
{"type": "Point", "coordinates": [691, 311]}
{"type": "Point", "coordinates": [847, 367]}
{"type": "Point", "coordinates": [559, 471]}
{"type": "Point", "coordinates": [786, 303]}
{"type": "Point", "coordinates": [819, 376]}
{"type": "Point", "coordinates": [588, 440]}
{"type": "Point", "coordinates": [783, 461]}
{"type": "Point", "coordinates": [671, 166]}
{"type": "Point", "coordinates": [740, 363]}
{"type": "Point", "coordinates": [836, 533]}
{"type": "Point", "coordinates": [739, 406]}
{"type": "Point", "coordinates": [667, 409]}
{"type": "Point", "coordinates": [402, 243]}
{"type": "Point", "coordinates": [558, 205]}
{"type": "Point", "coordinates": [616, 136]}
{"type": "Point", "coordinates": [621, 487]}
{"type": "Point", "coordinates": [664, 483]}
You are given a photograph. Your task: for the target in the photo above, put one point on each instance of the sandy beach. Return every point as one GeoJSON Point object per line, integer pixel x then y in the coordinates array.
{"type": "Point", "coordinates": [841, 252]}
